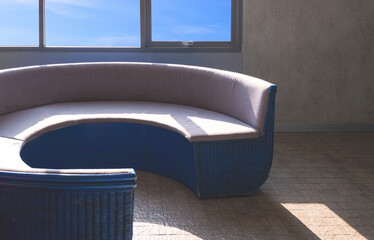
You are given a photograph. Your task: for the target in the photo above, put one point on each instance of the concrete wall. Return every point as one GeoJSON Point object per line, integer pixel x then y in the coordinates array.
{"type": "Point", "coordinates": [227, 61]}
{"type": "Point", "coordinates": [321, 55]}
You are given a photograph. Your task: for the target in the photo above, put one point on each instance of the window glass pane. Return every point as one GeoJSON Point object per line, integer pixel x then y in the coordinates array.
{"type": "Point", "coordinates": [19, 22]}
{"type": "Point", "coordinates": [192, 20]}
{"type": "Point", "coordinates": [102, 23]}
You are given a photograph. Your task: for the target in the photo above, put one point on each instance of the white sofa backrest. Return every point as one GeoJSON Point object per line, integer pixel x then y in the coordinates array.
{"type": "Point", "coordinates": [237, 95]}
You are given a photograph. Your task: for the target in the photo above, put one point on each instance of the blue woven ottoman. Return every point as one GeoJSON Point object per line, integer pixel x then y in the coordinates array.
{"type": "Point", "coordinates": [71, 205]}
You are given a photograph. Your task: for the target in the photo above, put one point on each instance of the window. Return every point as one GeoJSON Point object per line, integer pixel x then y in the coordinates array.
{"type": "Point", "coordinates": [19, 24]}
{"type": "Point", "coordinates": [192, 20]}
{"type": "Point", "coordinates": [109, 23]}
{"type": "Point", "coordinates": [213, 25]}
{"type": "Point", "coordinates": [194, 24]}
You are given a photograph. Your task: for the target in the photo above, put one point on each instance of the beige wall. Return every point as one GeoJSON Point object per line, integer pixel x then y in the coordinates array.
{"type": "Point", "coordinates": [319, 52]}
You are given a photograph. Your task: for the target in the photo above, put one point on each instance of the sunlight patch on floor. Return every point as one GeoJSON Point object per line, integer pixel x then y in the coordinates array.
{"type": "Point", "coordinates": [152, 229]}
{"type": "Point", "coordinates": [321, 220]}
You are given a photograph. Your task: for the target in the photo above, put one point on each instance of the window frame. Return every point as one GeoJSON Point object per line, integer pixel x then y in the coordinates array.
{"type": "Point", "coordinates": [146, 43]}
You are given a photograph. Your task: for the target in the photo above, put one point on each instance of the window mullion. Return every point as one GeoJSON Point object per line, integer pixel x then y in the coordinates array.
{"type": "Point", "coordinates": [236, 23]}
{"type": "Point", "coordinates": [41, 23]}
{"type": "Point", "coordinates": [144, 5]}
{"type": "Point", "coordinates": [147, 23]}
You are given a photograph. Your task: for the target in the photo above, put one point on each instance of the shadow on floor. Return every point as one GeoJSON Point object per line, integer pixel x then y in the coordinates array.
{"type": "Point", "coordinates": [320, 187]}
{"type": "Point", "coordinates": [165, 208]}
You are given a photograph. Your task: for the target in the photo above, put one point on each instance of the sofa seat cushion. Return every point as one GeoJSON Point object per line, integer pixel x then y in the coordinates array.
{"type": "Point", "coordinates": [195, 124]}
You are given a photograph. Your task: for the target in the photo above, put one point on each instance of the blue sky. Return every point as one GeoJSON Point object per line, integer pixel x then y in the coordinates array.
{"type": "Point", "coordinates": [113, 22]}
{"type": "Point", "coordinates": [19, 22]}
{"type": "Point", "coordinates": [191, 20]}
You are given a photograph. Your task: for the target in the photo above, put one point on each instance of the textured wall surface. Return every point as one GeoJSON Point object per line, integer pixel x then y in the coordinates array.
{"type": "Point", "coordinates": [319, 52]}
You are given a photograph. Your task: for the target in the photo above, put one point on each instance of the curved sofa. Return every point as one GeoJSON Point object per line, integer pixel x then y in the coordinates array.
{"type": "Point", "coordinates": [89, 124]}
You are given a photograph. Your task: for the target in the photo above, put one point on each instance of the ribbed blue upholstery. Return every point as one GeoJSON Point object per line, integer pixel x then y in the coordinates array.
{"type": "Point", "coordinates": [51, 207]}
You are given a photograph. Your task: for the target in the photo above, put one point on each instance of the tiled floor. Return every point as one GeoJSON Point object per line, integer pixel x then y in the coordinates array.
{"type": "Point", "coordinates": [321, 187]}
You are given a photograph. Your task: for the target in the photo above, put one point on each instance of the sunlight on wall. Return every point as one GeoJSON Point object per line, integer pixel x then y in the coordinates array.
{"type": "Point", "coordinates": [321, 220]}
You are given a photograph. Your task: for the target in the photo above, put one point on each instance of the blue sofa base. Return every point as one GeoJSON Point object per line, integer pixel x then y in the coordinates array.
{"type": "Point", "coordinates": [114, 145]}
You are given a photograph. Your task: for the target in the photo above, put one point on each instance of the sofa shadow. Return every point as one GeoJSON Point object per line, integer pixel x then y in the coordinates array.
{"type": "Point", "coordinates": [320, 187]}
{"type": "Point", "coordinates": [164, 207]}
